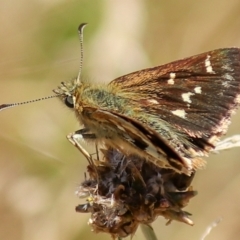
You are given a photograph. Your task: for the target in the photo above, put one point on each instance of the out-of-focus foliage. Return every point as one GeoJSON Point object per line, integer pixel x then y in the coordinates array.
{"type": "Point", "coordinates": [39, 48]}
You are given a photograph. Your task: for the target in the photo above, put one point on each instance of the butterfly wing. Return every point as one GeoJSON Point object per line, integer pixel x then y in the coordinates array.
{"type": "Point", "coordinates": [196, 95]}
{"type": "Point", "coordinates": [131, 136]}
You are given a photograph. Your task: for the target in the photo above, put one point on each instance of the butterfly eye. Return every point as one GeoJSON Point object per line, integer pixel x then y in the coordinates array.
{"type": "Point", "coordinates": [69, 101]}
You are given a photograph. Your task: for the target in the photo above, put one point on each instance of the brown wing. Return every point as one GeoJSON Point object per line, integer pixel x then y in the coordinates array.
{"type": "Point", "coordinates": [197, 95]}
{"type": "Point", "coordinates": [139, 139]}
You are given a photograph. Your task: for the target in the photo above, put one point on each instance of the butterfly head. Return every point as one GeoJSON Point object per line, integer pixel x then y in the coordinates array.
{"type": "Point", "coordinates": [66, 92]}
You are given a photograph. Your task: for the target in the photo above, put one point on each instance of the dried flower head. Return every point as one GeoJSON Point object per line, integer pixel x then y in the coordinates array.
{"type": "Point", "coordinates": [123, 192]}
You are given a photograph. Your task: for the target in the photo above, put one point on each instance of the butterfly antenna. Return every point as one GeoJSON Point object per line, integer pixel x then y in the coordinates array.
{"type": "Point", "coordinates": [80, 32]}
{"type": "Point", "coordinates": [9, 105]}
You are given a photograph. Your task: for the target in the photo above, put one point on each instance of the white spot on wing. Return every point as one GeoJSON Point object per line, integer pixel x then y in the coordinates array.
{"type": "Point", "coordinates": [180, 113]}
{"type": "Point", "coordinates": [228, 77]}
{"type": "Point", "coordinates": [153, 101]}
{"type": "Point", "coordinates": [171, 79]}
{"type": "Point", "coordinates": [225, 84]}
{"type": "Point", "coordinates": [186, 97]}
{"type": "Point", "coordinates": [198, 90]}
{"type": "Point", "coordinates": [208, 65]}
{"type": "Point", "coordinates": [227, 67]}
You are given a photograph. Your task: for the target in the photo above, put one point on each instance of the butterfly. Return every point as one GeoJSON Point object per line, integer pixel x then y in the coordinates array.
{"type": "Point", "coordinates": [172, 115]}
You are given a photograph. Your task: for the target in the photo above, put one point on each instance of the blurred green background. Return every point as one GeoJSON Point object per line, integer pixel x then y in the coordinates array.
{"type": "Point", "coordinates": [39, 48]}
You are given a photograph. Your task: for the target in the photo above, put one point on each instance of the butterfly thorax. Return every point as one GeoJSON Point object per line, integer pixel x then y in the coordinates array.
{"type": "Point", "coordinates": [92, 98]}
{"type": "Point", "coordinates": [99, 97]}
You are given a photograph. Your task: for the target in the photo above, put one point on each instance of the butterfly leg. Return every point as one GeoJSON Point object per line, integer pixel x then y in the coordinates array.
{"type": "Point", "coordinates": [78, 135]}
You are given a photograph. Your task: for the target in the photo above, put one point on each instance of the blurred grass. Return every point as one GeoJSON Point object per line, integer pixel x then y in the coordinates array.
{"type": "Point", "coordinates": [39, 169]}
